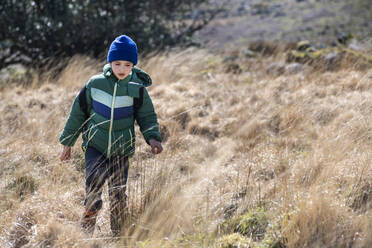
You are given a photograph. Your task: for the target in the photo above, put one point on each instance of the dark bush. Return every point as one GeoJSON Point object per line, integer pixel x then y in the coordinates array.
{"type": "Point", "coordinates": [36, 32]}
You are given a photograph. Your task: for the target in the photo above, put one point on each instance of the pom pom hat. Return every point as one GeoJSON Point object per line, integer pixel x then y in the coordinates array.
{"type": "Point", "coordinates": [123, 48]}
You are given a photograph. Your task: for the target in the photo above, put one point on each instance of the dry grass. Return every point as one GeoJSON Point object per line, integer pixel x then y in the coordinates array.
{"type": "Point", "coordinates": [297, 145]}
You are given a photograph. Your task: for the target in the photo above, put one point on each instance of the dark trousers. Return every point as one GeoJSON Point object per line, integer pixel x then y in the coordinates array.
{"type": "Point", "coordinates": [115, 170]}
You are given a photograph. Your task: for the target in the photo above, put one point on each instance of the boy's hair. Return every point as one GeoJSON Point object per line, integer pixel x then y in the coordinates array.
{"type": "Point", "coordinates": [123, 48]}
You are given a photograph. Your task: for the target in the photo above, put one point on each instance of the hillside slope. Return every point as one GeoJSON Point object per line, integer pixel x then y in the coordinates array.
{"type": "Point", "coordinates": [320, 22]}
{"type": "Point", "coordinates": [252, 157]}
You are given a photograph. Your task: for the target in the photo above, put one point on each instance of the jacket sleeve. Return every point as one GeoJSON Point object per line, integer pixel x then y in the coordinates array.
{"type": "Point", "coordinates": [147, 119]}
{"type": "Point", "coordinates": [74, 124]}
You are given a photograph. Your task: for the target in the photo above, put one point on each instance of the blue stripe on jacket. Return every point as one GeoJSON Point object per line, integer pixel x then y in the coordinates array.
{"type": "Point", "coordinates": [119, 113]}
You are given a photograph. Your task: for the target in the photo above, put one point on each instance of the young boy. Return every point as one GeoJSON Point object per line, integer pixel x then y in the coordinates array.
{"type": "Point", "coordinates": [104, 112]}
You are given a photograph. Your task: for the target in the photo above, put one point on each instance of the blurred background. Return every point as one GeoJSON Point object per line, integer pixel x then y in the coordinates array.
{"type": "Point", "coordinates": [264, 108]}
{"type": "Point", "coordinates": [36, 33]}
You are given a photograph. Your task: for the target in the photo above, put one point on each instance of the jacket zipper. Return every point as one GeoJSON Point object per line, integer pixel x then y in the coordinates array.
{"type": "Point", "coordinates": [111, 119]}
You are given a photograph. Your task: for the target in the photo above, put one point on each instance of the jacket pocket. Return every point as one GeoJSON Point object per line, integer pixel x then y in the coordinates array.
{"type": "Point", "coordinates": [90, 133]}
{"type": "Point", "coordinates": [97, 138]}
{"type": "Point", "coordinates": [123, 142]}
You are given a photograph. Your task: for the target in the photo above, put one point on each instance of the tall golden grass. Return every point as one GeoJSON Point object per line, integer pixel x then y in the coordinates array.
{"type": "Point", "coordinates": [296, 145]}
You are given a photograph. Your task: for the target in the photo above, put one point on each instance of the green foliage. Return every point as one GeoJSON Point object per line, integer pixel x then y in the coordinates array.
{"type": "Point", "coordinates": [23, 185]}
{"type": "Point", "coordinates": [79, 164]}
{"type": "Point", "coordinates": [15, 75]}
{"type": "Point", "coordinates": [36, 32]}
{"type": "Point", "coordinates": [252, 224]}
{"type": "Point", "coordinates": [272, 239]}
{"type": "Point", "coordinates": [329, 58]}
{"type": "Point", "coordinates": [234, 240]}
{"type": "Point", "coordinates": [198, 239]}
{"type": "Point", "coordinates": [262, 8]}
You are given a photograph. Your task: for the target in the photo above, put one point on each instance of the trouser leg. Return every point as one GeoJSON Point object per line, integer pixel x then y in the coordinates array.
{"type": "Point", "coordinates": [95, 177]}
{"type": "Point", "coordinates": [96, 174]}
{"type": "Point", "coordinates": [116, 188]}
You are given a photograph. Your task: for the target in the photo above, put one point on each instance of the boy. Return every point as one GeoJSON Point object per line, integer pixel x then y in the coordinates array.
{"type": "Point", "coordinates": [105, 111]}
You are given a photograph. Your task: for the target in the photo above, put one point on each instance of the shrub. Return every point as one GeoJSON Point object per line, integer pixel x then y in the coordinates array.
{"type": "Point", "coordinates": [234, 240]}
{"type": "Point", "coordinates": [23, 185]}
{"type": "Point", "coordinates": [35, 33]}
{"type": "Point", "coordinates": [252, 224]}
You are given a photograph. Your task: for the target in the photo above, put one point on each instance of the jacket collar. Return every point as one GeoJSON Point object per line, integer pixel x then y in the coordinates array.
{"type": "Point", "coordinates": [138, 75]}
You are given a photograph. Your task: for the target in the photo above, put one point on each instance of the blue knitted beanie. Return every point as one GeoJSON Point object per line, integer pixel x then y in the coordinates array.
{"type": "Point", "coordinates": [123, 48]}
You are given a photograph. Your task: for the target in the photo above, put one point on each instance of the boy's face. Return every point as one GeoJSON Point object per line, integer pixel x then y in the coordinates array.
{"type": "Point", "coordinates": [121, 68]}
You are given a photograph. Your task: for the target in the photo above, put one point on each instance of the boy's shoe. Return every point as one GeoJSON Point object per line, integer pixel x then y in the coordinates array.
{"type": "Point", "coordinates": [88, 221]}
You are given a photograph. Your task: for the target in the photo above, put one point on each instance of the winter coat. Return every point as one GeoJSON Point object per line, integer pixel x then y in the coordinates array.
{"type": "Point", "coordinates": [110, 104]}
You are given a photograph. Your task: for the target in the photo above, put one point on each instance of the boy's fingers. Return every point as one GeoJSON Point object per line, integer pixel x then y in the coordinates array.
{"type": "Point", "coordinates": [66, 155]}
{"type": "Point", "coordinates": [160, 149]}
{"type": "Point", "coordinates": [153, 150]}
{"type": "Point", "coordinates": [157, 149]}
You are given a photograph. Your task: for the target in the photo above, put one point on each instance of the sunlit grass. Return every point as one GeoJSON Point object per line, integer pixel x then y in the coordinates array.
{"type": "Point", "coordinates": [293, 150]}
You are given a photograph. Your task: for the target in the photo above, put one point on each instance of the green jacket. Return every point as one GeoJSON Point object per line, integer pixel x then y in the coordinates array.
{"type": "Point", "coordinates": [110, 104]}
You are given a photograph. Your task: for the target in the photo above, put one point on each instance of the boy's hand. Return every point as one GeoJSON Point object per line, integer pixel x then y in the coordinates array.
{"type": "Point", "coordinates": [66, 153]}
{"type": "Point", "coordinates": [156, 146]}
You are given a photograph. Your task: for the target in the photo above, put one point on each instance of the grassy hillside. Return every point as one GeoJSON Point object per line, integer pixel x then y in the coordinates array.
{"type": "Point", "coordinates": [318, 21]}
{"type": "Point", "coordinates": [258, 153]}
